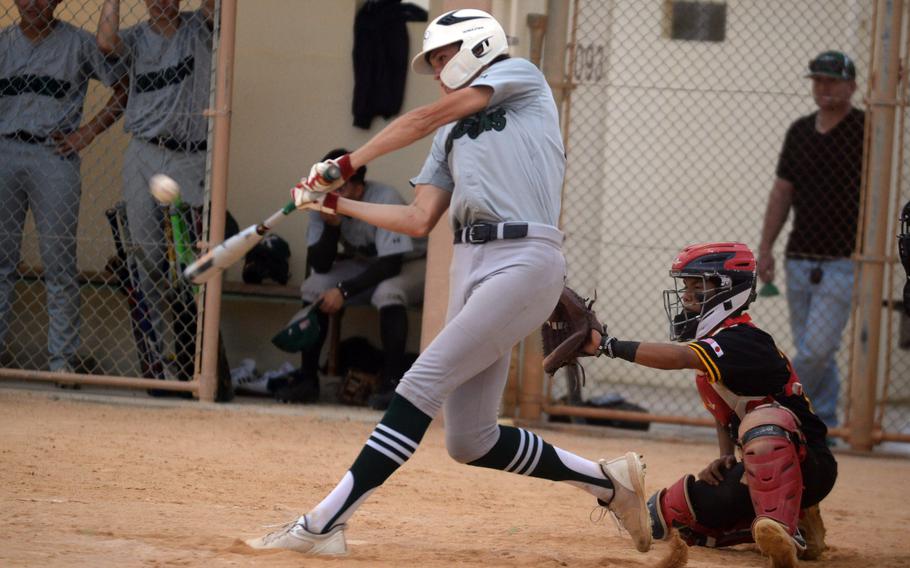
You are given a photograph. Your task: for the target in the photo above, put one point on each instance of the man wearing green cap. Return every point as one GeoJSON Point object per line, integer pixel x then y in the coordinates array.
{"type": "Point", "coordinates": [819, 175]}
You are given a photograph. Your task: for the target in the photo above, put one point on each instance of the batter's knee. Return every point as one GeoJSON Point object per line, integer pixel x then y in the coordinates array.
{"type": "Point", "coordinates": [466, 448]}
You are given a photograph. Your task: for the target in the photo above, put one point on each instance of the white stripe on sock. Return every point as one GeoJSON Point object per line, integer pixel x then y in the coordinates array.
{"type": "Point", "coordinates": [537, 454]}
{"type": "Point", "coordinates": [531, 439]}
{"type": "Point", "coordinates": [398, 435]}
{"type": "Point", "coordinates": [406, 451]}
{"type": "Point", "coordinates": [386, 452]}
{"type": "Point", "coordinates": [521, 445]}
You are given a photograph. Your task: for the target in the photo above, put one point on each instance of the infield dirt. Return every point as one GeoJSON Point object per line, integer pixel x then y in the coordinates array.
{"type": "Point", "coordinates": [94, 481]}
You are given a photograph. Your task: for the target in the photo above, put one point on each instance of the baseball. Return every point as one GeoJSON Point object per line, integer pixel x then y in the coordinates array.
{"type": "Point", "coordinates": [164, 189]}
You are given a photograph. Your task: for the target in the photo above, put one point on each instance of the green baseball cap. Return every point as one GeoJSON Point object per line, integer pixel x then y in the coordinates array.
{"type": "Point", "coordinates": [834, 64]}
{"type": "Point", "coordinates": [301, 333]}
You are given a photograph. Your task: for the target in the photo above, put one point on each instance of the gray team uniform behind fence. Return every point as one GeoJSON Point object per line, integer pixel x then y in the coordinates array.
{"type": "Point", "coordinates": [169, 89]}
{"type": "Point", "coordinates": [42, 91]}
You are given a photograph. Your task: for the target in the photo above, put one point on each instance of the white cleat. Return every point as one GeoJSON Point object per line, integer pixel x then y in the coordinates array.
{"type": "Point", "coordinates": [295, 536]}
{"type": "Point", "coordinates": [628, 503]}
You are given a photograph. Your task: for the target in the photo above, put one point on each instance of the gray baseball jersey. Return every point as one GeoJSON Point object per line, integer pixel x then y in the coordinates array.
{"type": "Point", "coordinates": [505, 163]}
{"type": "Point", "coordinates": [362, 237]}
{"type": "Point", "coordinates": [43, 85]}
{"type": "Point", "coordinates": [169, 80]}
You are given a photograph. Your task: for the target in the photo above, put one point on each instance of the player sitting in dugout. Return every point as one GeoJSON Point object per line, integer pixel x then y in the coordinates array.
{"type": "Point", "coordinates": [375, 266]}
{"type": "Point", "coordinates": [749, 386]}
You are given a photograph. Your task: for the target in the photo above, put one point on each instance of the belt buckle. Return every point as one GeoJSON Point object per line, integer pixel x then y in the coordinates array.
{"type": "Point", "coordinates": [478, 234]}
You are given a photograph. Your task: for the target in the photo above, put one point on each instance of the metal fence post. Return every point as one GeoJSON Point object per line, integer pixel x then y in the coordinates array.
{"type": "Point", "coordinates": [218, 206]}
{"type": "Point", "coordinates": [877, 180]}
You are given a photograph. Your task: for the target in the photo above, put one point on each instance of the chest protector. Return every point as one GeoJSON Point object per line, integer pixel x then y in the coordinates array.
{"type": "Point", "coordinates": [729, 408]}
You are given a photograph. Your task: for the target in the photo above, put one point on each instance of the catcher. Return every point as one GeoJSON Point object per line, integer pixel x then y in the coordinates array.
{"type": "Point", "coordinates": [770, 494]}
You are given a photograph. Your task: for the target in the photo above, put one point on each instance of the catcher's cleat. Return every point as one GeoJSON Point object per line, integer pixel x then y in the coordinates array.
{"type": "Point", "coordinates": [812, 528]}
{"type": "Point", "coordinates": [776, 543]}
{"type": "Point", "coordinates": [295, 536]}
{"type": "Point", "coordinates": [628, 503]}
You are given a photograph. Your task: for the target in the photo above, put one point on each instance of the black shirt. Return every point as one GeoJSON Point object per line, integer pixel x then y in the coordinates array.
{"type": "Point", "coordinates": [826, 172]}
{"type": "Point", "coordinates": [745, 360]}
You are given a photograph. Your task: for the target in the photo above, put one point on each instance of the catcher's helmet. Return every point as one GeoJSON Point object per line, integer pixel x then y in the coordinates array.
{"type": "Point", "coordinates": [727, 271]}
{"type": "Point", "coordinates": [482, 40]}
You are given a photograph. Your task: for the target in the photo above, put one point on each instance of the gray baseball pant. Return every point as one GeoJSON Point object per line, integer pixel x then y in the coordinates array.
{"type": "Point", "coordinates": [141, 161]}
{"type": "Point", "coordinates": [33, 177]}
{"type": "Point", "coordinates": [499, 293]}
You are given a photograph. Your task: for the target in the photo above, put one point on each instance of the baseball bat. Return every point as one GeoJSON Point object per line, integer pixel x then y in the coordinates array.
{"type": "Point", "coordinates": [233, 249]}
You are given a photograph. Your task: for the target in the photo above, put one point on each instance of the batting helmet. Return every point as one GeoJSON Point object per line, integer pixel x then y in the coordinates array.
{"type": "Point", "coordinates": [481, 37]}
{"type": "Point", "coordinates": [727, 271]}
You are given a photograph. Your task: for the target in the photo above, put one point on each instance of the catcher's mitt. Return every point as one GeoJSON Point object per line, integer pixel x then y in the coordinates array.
{"type": "Point", "coordinates": [567, 330]}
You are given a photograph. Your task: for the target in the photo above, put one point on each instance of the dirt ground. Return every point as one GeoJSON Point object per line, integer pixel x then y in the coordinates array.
{"type": "Point", "coordinates": [102, 481]}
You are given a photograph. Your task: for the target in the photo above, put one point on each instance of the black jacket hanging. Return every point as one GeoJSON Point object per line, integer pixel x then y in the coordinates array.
{"type": "Point", "coordinates": [381, 58]}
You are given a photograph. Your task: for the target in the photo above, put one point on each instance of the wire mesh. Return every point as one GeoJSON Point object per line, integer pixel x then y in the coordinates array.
{"type": "Point", "coordinates": [89, 259]}
{"type": "Point", "coordinates": [677, 121]}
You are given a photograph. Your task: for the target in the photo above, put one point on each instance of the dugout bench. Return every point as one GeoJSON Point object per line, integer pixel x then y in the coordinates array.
{"type": "Point", "coordinates": [272, 293]}
{"type": "Point", "coordinates": [276, 293]}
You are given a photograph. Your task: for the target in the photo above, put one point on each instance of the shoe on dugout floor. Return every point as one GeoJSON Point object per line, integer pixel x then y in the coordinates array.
{"type": "Point", "coordinates": [776, 543]}
{"type": "Point", "coordinates": [628, 503]}
{"type": "Point", "coordinates": [300, 388]}
{"type": "Point", "coordinates": [295, 536]}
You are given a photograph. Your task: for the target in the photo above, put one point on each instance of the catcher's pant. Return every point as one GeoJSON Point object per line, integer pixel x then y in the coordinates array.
{"type": "Point", "coordinates": [141, 161]}
{"type": "Point", "coordinates": [404, 289]}
{"type": "Point", "coordinates": [729, 504]}
{"type": "Point", "coordinates": [499, 293]}
{"type": "Point", "coordinates": [33, 177]}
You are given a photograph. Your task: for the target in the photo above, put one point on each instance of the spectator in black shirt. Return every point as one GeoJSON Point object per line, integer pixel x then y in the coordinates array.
{"type": "Point", "coordinates": [756, 398]}
{"type": "Point", "coordinates": [818, 176]}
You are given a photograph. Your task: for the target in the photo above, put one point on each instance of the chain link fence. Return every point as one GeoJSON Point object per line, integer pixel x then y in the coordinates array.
{"type": "Point", "coordinates": [677, 117]}
{"type": "Point", "coordinates": [89, 260]}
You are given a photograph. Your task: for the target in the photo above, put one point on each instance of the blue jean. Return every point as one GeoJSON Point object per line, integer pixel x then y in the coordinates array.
{"type": "Point", "coordinates": [818, 314]}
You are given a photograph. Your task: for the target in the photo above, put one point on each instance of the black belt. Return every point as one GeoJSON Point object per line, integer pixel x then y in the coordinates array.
{"type": "Point", "coordinates": [178, 145]}
{"type": "Point", "coordinates": [26, 137]}
{"type": "Point", "coordinates": [483, 232]}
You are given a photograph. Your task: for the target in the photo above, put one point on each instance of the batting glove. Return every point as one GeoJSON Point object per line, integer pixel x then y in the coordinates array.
{"type": "Point", "coordinates": [308, 199]}
{"type": "Point", "coordinates": [321, 179]}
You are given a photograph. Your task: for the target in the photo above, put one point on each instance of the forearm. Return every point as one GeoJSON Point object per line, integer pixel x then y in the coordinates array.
{"type": "Point", "coordinates": [322, 254]}
{"type": "Point", "coordinates": [400, 133]}
{"type": "Point", "coordinates": [208, 10]}
{"type": "Point", "coordinates": [724, 443]}
{"type": "Point", "coordinates": [397, 218]}
{"type": "Point", "coordinates": [382, 269]}
{"type": "Point", "coordinates": [654, 355]}
{"type": "Point", "coordinates": [416, 219]}
{"type": "Point", "coordinates": [414, 125]}
{"type": "Point", "coordinates": [666, 356]}
{"type": "Point", "coordinates": [108, 35]}
{"type": "Point", "coordinates": [111, 112]}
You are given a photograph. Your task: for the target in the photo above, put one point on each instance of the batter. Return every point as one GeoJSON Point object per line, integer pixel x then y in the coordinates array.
{"type": "Point", "coordinates": [497, 164]}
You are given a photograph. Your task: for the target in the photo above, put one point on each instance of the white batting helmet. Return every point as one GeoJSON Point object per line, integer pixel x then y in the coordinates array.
{"type": "Point", "coordinates": [482, 40]}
